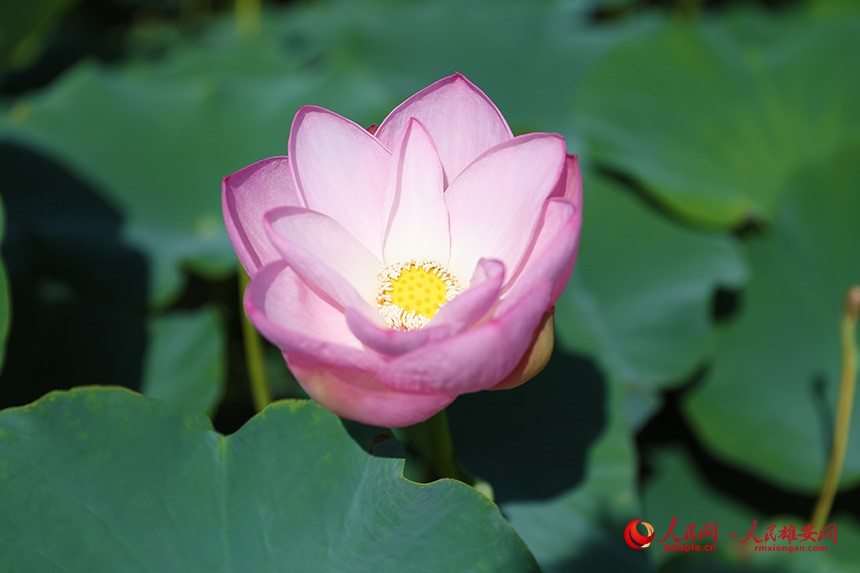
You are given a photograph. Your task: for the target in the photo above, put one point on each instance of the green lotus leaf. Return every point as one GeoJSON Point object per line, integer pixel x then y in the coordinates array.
{"type": "Point", "coordinates": [768, 401]}
{"type": "Point", "coordinates": [678, 490]}
{"type": "Point", "coordinates": [716, 119]}
{"type": "Point", "coordinates": [102, 479]}
{"type": "Point", "coordinates": [195, 129]}
{"type": "Point", "coordinates": [652, 327]}
{"type": "Point", "coordinates": [184, 361]}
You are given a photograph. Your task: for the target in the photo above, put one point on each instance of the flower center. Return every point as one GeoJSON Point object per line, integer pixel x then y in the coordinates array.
{"type": "Point", "coordinates": [408, 294]}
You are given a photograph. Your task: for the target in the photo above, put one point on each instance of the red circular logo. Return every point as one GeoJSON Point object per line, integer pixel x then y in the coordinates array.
{"type": "Point", "coordinates": [635, 539]}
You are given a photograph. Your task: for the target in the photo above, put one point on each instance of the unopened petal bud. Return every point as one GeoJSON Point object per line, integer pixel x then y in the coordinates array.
{"type": "Point", "coordinates": [536, 357]}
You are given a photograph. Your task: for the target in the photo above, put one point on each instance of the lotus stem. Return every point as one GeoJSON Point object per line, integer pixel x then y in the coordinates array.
{"type": "Point", "coordinates": [441, 446]}
{"type": "Point", "coordinates": [842, 423]}
{"type": "Point", "coordinates": [261, 391]}
{"type": "Point", "coordinates": [430, 442]}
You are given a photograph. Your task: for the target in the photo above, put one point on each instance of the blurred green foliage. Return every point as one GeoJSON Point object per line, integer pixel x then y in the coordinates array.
{"type": "Point", "coordinates": [734, 109]}
{"type": "Point", "coordinates": [23, 26]}
{"type": "Point", "coordinates": [696, 367]}
{"type": "Point", "coordinates": [5, 309]}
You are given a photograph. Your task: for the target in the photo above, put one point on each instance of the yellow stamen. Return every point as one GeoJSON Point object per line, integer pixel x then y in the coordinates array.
{"type": "Point", "coordinates": [410, 293]}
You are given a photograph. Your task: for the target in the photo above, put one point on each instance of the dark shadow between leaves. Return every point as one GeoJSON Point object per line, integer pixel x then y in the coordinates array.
{"type": "Point", "coordinates": [726, 304]}
{"type": "Point", "coordinates": [532, 442]}
{"type": "Point", "coordinates": [374, 440]}
{"type": "Point", "coordinates": [79, 293]}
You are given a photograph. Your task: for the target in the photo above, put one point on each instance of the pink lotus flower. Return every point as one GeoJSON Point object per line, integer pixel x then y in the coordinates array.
{"type": "Point", "coordinates": [401, 268]}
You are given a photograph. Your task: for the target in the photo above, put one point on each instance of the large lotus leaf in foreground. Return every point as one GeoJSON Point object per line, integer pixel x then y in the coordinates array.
{"type": "Point", "coordinates": [106, 480]}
